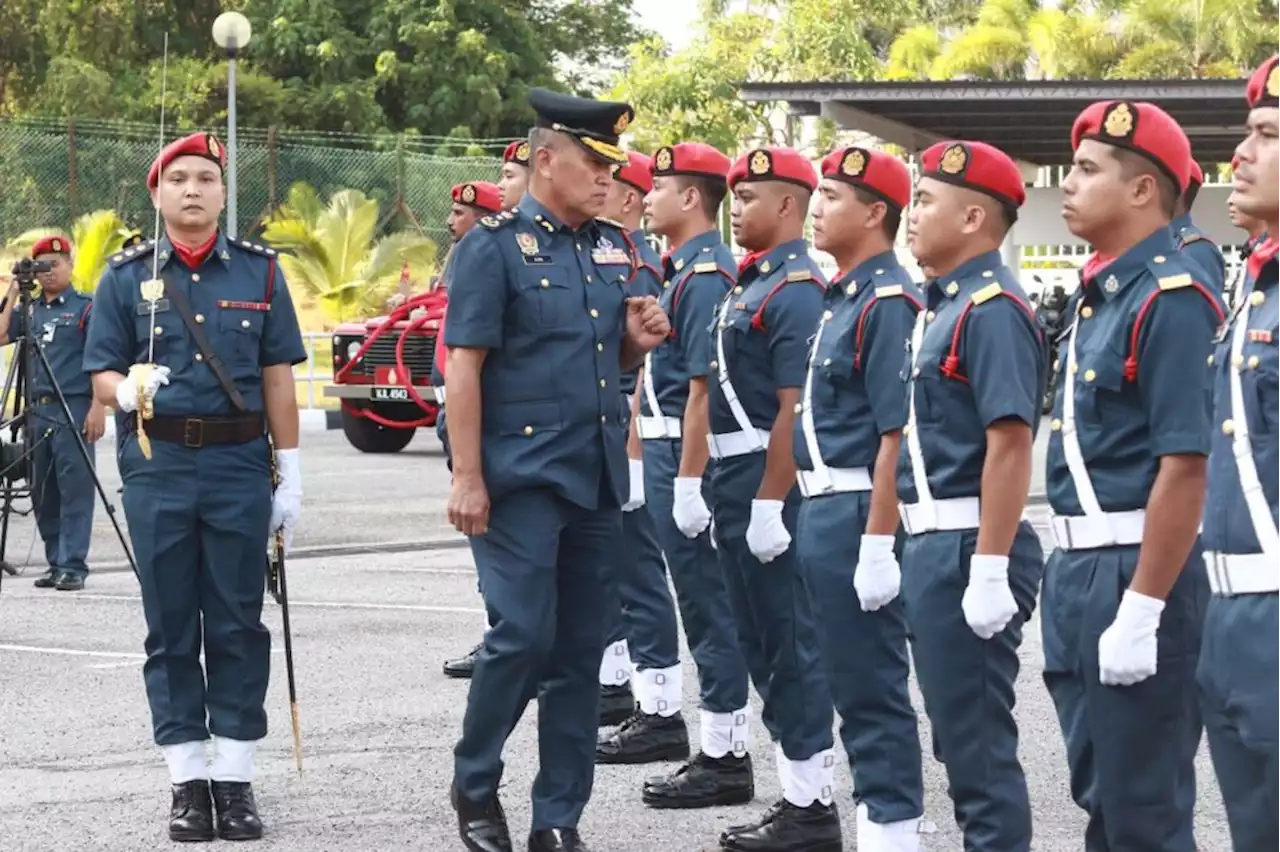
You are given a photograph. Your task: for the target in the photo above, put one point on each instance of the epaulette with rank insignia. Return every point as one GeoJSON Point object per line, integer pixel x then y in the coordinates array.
{"type": "Point", "coordinates": [1175, 282]}
{"type": "Point", "coordinates": [987, 293]}
{"type": "Point", "coordinates": [705, 266]}
{"type": "Point", "coordinates": [799, 275]}
{"type": "Point", "coordinates": [497, 220]}
{"type": "Point", "coordinates": [131, 253]}
{"type": "Point", "coordinates": [1191, 237]}
{"type": "Point", "coordinates": [256, 248]}
{"type": "Point", "coordinates": [606, 221]}
{"type": "Point", "coordinates": [889, 292]}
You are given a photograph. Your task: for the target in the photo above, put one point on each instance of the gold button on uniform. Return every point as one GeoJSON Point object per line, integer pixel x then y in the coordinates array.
{"type": "Point", "coordinates": [953, 288]}
{"type": "Point", "coordinates": [599, 347]}
{"type": "Point", "coordinates": [1055, 424]}
{"type": "Point", "coordinates": [595, 314]}
{"type": "Point", "coordinates": [199, 357]}
{"type": "Point", "coordinates": [1210, 360]}
{"type": "Point", "coordinates": [1253, 362]}
{"type": "Point", "coordinates": [528, 430]}
{"type": "Point", "coordinates": [827, 315]}
{"type": "Point", "coordinates": [588, 278]}
{"type": "Point", "coordinates": [1158, 258]}
{"type": "Point", "coordinates": [1257, 298]}
{"type": "Point", "coordinates": [1090, 375]}
{"type": "Point", "coordinates": [159, 331]}
{"type": "Point", "coordinates": [826, 362]}
{"type": "Point", "coordinates": [603, 383]}
{"type": "Point", "coordinates": [714, 364]}
{"type": "Point", "coordinates": [737, 290]}
{"type": "Point", "coordinates": [930, 316]}
{"type": "Point", "coordinates": [244, 323]}
{"type": "Point", "coordinates": [545, 283]}
{"type": "Point", "coordinates": [799, 408]}
{"type": "Point", "coordinates": [1228, 427]}
{"type": "Point", "coordinates": [1086, 312]}
{"type": "Point", "coordinates": [195, 277]}
{"type": "Point", "coordinates": [1056, 363]}
{"type": "Point", "coordinates": [199, 317]}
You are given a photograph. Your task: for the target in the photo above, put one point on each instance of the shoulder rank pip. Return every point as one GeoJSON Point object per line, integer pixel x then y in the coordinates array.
{"type": "Point", "coordinates": [132, 253]}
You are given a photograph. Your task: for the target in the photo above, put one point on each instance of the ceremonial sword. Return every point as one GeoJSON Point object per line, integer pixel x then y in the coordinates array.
{"type": "Point", "coordinates": [278, 586]}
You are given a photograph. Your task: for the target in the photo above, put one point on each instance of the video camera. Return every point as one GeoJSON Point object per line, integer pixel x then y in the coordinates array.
{"type": "Point", "coordinates": [26, 270]}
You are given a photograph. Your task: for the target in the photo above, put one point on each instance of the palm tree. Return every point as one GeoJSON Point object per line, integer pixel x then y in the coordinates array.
{"type": "Point", "coordinates": [333, 254]}
{"type": "Point", "coordinates": [95, 237]}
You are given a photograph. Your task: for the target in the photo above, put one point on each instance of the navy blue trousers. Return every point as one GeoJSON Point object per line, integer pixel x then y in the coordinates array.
{"type": "Point", "coordinates": [700, 586]}
{"type": "Point", "coordinates": [63, 493]}
{"type": "Point", "coordinates": [771, 606]}
{"type": "Point", "coordinates": [968, 682]}
{"type": "Point", "coordinates": [198, 521]}
{"type": "Point", "coordinates": [544, 567]}
{"type": "Point", "coordinates": [1238, 691]}
{"type": "Point", "coordinates": [1131, 749]}
{"type": "Point", "coordinates": [866, 657]}
{"type": "Point", "coordinates": [640, 608]}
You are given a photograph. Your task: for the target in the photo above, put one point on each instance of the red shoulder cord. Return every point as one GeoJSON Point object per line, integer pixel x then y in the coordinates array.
{"type": "Point", "coordinates": [1131, 362]}
{"type": "Point", "coordinates": [951, 364]}
{"type": "Point", "coordinates": [862, 321]}
{"type": "Point", "coordinates": [757, 319]}
{"type": "Point", "coordinates": [675, 297]}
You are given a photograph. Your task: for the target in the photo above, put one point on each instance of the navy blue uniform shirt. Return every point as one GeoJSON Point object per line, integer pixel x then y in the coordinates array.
{"type": "Point", "coordinates": [548, 303]}
{"type": "Point", "coordinates": [238, 295]}
{"type": "Point", "coordinates": [1136, 400]}
{"type": "Point", "coordinates": [59, 327]}
{"type": "Point", "coordinates": [999, 374]}
{"type": "Point", "coordinates": [696, 277]}
{"type": "Point", "coordinates": [644, 282]}
{"type": "Point", "coordinates": [1227, 527]}
{"type": "Point", "coordinates": [858, 393]}
{"type": "Point", "coordinates": [772, 314]}
{"type": "Point", "coordinates": [1202, 251]}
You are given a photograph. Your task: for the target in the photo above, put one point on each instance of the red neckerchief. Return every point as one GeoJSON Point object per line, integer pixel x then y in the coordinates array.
{"type": "Point", "coordinates": [1094, 265]}
{"type": "Point", "coordinates": [1263, 253]}
{"type": "Point", "coordinates": [193, 257]}
{"type": "Point", "coordinates": [749, 261]}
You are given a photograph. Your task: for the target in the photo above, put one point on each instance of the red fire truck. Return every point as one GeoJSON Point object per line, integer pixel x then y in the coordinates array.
{"type": "Point", "coordinates": [382, 374]}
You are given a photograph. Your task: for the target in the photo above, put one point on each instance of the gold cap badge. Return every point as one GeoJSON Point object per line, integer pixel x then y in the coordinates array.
{"type": "Point", "coordinates": [522, 153]}
{"type": "Point", "coordinates": [759, 163]}
{"type": "Point", "coordinates": [468, 194]}
{"type": "Point", "coordinates": [954, 159]}
{"type": "Point", "coordinates": [56, 244]}
{"type": "Point", "coordinates": [1273, 81]}
{"type": "Point", "coordinates": [1118, 122]}
{"type": "Point", "coordinates": [663, 159]}
{"type": "Point", "coordinates": [215, 150]}
{"type": "Point", "coordinates": [854, 163]}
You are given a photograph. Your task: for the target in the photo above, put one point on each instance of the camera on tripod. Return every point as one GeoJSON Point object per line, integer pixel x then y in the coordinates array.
{"type": "Point", "coordinates": [26, 270]}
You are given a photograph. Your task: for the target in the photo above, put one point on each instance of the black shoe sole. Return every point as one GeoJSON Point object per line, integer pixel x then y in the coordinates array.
{"type": "Point", "coordinates": [662, 755]}
{"type": "Point", "coordinates": [721, 799]}
{"type": "Point", "coordinates": [458, 674]}
{"type": "Point", "coordinates": [828, 846]}
{"type": "Point", "coordinates": [191, 836]}
{"type": "Point", "coordinates": [227, 835]}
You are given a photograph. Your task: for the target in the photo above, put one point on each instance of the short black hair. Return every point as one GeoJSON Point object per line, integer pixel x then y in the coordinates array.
{"type": "Point", "coordinates": [892, 217]}
{"type": "Point", "coordinates": [710, 190]}
{"type": "Point", "coordinates": [1134, 165]}
{"type": "Point", "coordinates": [1189, 197]}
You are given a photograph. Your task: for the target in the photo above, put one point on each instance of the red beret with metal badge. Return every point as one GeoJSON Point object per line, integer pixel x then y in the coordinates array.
{"type": "Point", "coordinates": [54, 244]}
{"type": "Point", "coordinates": [881, 174]}
{"type": "Point", "coordinates": [693, 159]}
{"type": "Point", "coordinates": [636, 173]}
{"type": "Point", "coordinates": [517, 152]}
{"type": "Point", "coordinates": [1264, 85]}
{"type": "Point", "coordinates": [977, 166]}
{"type": "Point", "coordinates": [200, 144]}
{"type": "Point", "coordinates": [769, 164]}
{"type": "Point", "coordinates": [479, 194]}
{"type": "Point", "coordinates": [1142, 128]}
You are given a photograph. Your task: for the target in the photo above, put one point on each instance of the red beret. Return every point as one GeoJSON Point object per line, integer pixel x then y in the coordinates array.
{"type": "Point", "coordinates": [977, 166]}
{"type": "Point", "coordinates": [636, 172]}
{"type": "Point", "coordinates": [1142, 128]}
{"type": "Point", "coordinates": [875, 171]}
{"type": "Point", "coordinates": [784, 164]}
{"type": "Point", "coordinates": [55, 244]}
{"type": "Point", "coordinates": [517, 152]}
{"type": "Point", "coordinates": [1196, 178]}
{"type": "Point", "coordinates": [480, 194]}
{"type": "Point", "coordinates": [196, 145]}
{"type": "Point", "coordinates": [1264, 86]}
{"type": "Point", "coordinates": [694, 159]}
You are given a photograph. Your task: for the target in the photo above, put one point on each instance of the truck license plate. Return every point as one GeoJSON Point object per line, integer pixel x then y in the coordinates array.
{"type": "Point", "coordinates": [390, 394]}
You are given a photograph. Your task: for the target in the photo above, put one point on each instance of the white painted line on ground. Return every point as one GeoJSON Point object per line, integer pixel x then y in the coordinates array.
{"type": "Point", "coordinates": [303, 604]}
{"type": "Point", "coordinates": [135, 663]}
{"type": "Point", "coordinates": [75, 652]}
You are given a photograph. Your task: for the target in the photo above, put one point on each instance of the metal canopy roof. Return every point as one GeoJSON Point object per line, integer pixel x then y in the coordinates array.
{"type": "Point", "coordinates": [1029, 120]}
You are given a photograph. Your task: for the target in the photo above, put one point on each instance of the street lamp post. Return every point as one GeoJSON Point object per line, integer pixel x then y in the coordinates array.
{"type": "Point", "coordinates": [231, 31]}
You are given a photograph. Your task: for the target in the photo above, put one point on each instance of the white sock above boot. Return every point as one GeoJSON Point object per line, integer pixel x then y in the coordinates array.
{"type": "Point", "coordinates": [233, 759]}
{"type": "Point", "coordinates": [186, 761]}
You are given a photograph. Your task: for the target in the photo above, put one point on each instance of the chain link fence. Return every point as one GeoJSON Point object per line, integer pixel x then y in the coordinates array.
{"type": "Point", "coordinates": [52, 171]}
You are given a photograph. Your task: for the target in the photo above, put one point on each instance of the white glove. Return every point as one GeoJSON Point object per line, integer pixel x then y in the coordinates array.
{"type": "Point", "coordinates": [877, 579]}
{"type": "Point", "coordinates": [1127, 649]}
{"type": "Point", "coordinates": [127, 390]}
{"type": "Point", "coordinates": [987, 603]}
{"type": "Point", "coordinates": [689, 509]}
{"type": "Point", "coordinates": [636, 468]}
{"type": "Point", "coordinates": [286, 504]}
{"type": "Point", "coordinates": [766, 535]}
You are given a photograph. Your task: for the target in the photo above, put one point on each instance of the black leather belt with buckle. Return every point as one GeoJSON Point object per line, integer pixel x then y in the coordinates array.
{"type": "Point", "coordinates": [197, 432]}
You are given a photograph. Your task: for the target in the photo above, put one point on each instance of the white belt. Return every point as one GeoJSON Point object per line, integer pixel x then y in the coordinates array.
{"type": "Point", "coordinates": [658, 427]}
{"type": "Point", "coordinates": [1108, 529]}
{"type": "Point", "coordinates": [838, 480]}
{"type": "Point", "coordinates": [439, 389]}
{"type": "Point", "coordinates": [956, 513]}
{"type": "Point", "coordinates": [738, 443]}
{"type": "Point", "coordinates": [1242, 573]}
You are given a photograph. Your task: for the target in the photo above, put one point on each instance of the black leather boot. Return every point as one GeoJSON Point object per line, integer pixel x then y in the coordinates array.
{"type": "Point", "coordinates": [645, 738]}
{"type": "Point", "coordinates": [191, 814]}
{"type": "Point", "coordinates": [616, 704]}
{"type": "Point", "coordinates": [237, 811]}
{"type": "Point", "coordinates": [703, 782]}
{"type": "Point", "coordinates": [557, 840]}
{"type": "Point", "coordinates": [463, 666]}
{"type": "Point", "coordinates": [482, 826]}
{"type": "Point", "coordinates": [788, 828]}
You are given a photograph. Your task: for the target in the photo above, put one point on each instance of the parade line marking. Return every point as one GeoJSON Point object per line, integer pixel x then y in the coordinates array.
{"type": "Point", "coordinates": [468, 610]}
{"type": "Point", "coordinates": [76, 652]}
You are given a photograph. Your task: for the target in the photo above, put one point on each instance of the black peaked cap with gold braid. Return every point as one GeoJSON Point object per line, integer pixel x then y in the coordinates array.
{"type": "Point", "coordinates": [595, 125]}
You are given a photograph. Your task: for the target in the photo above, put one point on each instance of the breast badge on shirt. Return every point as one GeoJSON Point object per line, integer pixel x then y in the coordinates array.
{"type": "Point", "coordinates": [606, 253]}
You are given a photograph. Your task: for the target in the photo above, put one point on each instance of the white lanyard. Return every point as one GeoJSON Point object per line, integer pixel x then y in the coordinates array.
{"type": "Point", "coordinates": [726, 386]}
{"type": "Point", "coordinates": [1264, 526]}
{"type": "Point", "coordinates": [650, 395]}
{"type": "Point", "coordinates": [820, 471]}
{"type": "Point", "coordinates": [1087, 497]}
{"type": "Point", "coordinates": [924, 497]}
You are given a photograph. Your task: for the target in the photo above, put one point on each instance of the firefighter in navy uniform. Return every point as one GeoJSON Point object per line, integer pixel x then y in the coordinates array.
{"type": "Point", "coordinates": [1125, 589]}
{"type": "Point", "coordinates": [642, 632]}
{"type": "Point", "coordinates": [61, 483]}
{"type": "Point", "coordinates": [198, 479]}
{"type": "Point", "coordinates": [1257, 232]}
{"type": "Point", "coordinates": [976, 366]}
{"type": "Point", "coordinates": [513, 180]}
{"type": "Point", "coordinates": [1193, 242]}
{"type": "Point", "coordinates": [847, 438]}
{"type": "Point", "coordinates": [538, 339]}
{"type": "Point", "coordinates": [1238, 661]}
{"type": "Point", "coordinates": [762, 337]}
{"type": "Point", "coordinates": [698, 270]}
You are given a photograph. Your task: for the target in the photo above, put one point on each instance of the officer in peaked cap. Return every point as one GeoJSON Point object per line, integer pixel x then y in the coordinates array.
{"type": "Point", "coordinates": [683, 206]}
{"type": "Point", "coordinates": [643, 635]}
{"type": "Point", "coordinates": [1187, 238]}
{"type": "Point", "coordinates": [538, 339]}
{"type": "Point", "coordinates": [1238, 661]}
{"type": "Point", "coordinates": [847, 438]}
{"type": "Point", "coordinates": [61, 483]}
{"type": "Point", "coordinates": [198, 480]}
{"type": "Point", "coordinates": [761, 339]}
{"type": "Point", "coordinates": [1125, 588]}
{"type": "Point", "coordinates": [976, 375]}
{"type": "Point", "coordinates": [513, 180]}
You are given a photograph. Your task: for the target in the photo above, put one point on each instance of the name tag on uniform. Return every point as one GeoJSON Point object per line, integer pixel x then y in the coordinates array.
{"type": "Point", "coordinates": [537, 259]}
{"type": "Point", "coordinates": [245, 306]}
{"type": "Point", "coordinates": [144, 308]}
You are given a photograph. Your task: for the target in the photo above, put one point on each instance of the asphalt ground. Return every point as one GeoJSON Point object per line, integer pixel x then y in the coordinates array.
{"type": "Point", "coordinates": [382, 591]}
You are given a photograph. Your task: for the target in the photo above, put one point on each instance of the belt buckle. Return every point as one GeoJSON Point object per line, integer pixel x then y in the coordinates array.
{"type": "Point", "coordinates": [193, 433]}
